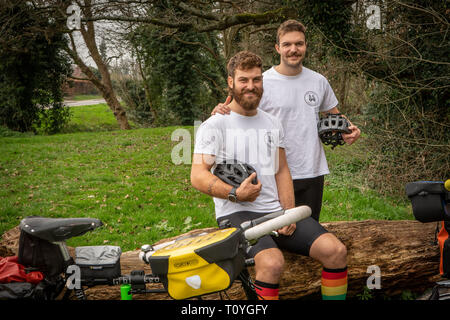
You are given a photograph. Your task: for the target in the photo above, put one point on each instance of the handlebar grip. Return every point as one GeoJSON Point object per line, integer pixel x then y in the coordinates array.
{"type": "Point", "coordinates": [290, 216]}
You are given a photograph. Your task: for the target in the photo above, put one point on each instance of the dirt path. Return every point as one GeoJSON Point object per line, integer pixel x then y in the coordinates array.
{"type": "Point", "coordinates": [73, 103]}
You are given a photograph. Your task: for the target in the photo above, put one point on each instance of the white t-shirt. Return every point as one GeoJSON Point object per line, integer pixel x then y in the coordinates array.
{"type": "Point", "coordinates": [253, 140]}
{"type": "Point", "coordinates": [296, 102]}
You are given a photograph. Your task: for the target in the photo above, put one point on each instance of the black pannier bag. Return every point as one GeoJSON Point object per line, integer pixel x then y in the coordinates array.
{"type": "Point", "coordinates": [39, 254]}
{"type": "Point", "coordinates": [45, 290]}
{"type": "Point", "coordinates": [428, 199]}
{"type": "Point", "coordinates": [430, 203]}
{"type": "Point", "coordinates": [98, 264]}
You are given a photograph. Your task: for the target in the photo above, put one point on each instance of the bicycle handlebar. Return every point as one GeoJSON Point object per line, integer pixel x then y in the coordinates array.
{"type": "Point", "coordinates": [281, 219]}
{"type": "Point", "coordinates": [251, 223]}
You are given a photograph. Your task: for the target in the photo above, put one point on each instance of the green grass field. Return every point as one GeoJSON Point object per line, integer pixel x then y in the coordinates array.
{"type": "Point", "coordinates": [127, 179]}
{"type": "Point", "coordinates": [92, 119]}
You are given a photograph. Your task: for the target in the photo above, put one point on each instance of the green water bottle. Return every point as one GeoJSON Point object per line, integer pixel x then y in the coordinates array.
{"type": "Point", "coordinates": [125, 292]}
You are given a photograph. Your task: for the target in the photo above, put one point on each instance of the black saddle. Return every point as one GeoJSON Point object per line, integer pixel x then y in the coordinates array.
{"type": "Point", "coordinates": [58, 229]}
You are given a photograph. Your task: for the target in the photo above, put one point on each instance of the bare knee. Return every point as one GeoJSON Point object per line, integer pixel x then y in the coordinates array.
{"type": "Point", "coordinates": [269, 265]}
{"type": "Point", "coordinates": [331, 252]}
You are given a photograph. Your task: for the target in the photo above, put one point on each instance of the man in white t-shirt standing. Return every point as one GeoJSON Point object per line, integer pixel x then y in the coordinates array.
{"type": "Point", "coordinates": [296, 95]}
{"type": "Point", "coordinates": [257, 138]}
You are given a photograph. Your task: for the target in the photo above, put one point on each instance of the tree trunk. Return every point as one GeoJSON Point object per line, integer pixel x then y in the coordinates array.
{"type": "Point", "coordinates": [344, 89]}
{"type": "Point", "coordinates": [404, 251]}
{"type": "Point", "coordinates": [104, 85]}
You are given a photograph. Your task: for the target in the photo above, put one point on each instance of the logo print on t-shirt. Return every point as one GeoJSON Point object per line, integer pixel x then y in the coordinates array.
{"type": "Point", "coordinates": [207, 140]}
{"type": "Point", "coordinates": [312, 98]}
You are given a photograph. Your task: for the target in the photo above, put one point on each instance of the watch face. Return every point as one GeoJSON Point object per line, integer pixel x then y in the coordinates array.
{"type": "Point", "coordinates": [232, 197]}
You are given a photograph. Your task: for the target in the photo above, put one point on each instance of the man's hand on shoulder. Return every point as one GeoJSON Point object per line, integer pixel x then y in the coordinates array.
{"type": "Point", "coordinates": [222, 108]}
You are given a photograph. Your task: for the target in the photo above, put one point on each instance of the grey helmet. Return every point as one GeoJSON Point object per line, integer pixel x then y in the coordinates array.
{"type": "Point", "coordinates": [331, 127]}
{"type": "Point", "coordinates": [234, 172]}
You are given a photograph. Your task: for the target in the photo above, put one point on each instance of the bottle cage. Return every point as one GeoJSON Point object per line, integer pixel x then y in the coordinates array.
{"type": "Point", "coordinates": [331, 127]}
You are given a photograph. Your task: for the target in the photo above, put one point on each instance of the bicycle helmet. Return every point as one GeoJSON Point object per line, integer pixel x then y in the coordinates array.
{"type": "Point", "coordinates": [234, 172]}
{"type": "Point", "coordinates": [331, 127]}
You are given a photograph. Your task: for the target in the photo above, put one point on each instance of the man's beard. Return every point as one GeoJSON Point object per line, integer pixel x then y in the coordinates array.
{"type": "Point", "coordinates": [248, 104]}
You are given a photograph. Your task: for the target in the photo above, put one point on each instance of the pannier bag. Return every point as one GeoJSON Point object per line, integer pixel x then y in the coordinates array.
{"type": "Point", "coordinates": [428, 199]}
{"type": "Point", "coordinates": [37, 254]}
{"type": "Point", "coordinates": [431, 202]}
{"type": "Point", "coordinates": [47, 289]}
{"type": "Point", "coordinates": [98, 264]}
{"type": "Point", "coordinates": [12, 271]}
{"type": "Point", "coordinates": [16, 283]}
{"type": "Point", "coordinates": [200, 264]}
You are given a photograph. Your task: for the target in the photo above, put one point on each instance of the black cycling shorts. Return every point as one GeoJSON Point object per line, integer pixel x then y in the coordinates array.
{"type": "Point", "coordinates": [307, 231]}
{"type": "Point", "coordinates": [309, 192]}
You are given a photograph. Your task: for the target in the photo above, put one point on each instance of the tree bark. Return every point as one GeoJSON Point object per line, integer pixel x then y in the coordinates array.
{"type": "Point", "coordinates": [404, 251]}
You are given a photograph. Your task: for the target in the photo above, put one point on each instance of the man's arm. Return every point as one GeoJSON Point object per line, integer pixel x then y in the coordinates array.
{"type": "Point", "coordinates": [285, 189]}
{"type": "Point", "coordinates": [349, 138]}
{"type": "Point", "coordinates": [204, 181]}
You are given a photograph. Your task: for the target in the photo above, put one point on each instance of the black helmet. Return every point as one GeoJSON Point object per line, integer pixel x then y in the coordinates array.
{"type": "Point", "coordinates": [331, 127]}
{"type": "Point", "coordinates": [234, 172]}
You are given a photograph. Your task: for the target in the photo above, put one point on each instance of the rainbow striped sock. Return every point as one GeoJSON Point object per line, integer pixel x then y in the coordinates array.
{"type": "Point", "coordinates": [334, 284]}
{"type": "Point", "coordinates": [266, 291]}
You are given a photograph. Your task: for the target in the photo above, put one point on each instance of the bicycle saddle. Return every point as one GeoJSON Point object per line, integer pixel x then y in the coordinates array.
{"type": "Point", "coordinates": [58, 229]}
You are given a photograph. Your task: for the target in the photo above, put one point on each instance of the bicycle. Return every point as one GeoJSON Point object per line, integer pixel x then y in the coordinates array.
{"type": "Point", "coordinates": [431, 203]}
{"type": "Point", "coordinates": [203, 264]}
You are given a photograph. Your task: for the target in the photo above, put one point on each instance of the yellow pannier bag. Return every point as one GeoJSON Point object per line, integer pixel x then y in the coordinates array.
{"type": "Point", "coordinates": [200, 264]}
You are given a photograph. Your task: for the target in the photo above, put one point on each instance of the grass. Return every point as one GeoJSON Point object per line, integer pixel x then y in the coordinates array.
{"type": "Point", "coordinates": [347, 195]}
{"type": "Point", "coordinates": [127, 179]}
{"type": "Point", "coordinates": [93, 118]}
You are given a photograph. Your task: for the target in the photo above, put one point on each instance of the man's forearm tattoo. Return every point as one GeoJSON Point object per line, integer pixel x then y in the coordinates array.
{"type": "Point", "coordinates": [211, 186]}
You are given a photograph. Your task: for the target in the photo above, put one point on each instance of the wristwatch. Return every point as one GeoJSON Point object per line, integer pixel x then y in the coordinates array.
{"type": "Point", "coordinates": [232, 195]}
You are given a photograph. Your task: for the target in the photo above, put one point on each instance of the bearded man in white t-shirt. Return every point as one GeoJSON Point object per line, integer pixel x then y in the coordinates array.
{"type": "Point", "coordinates": [243, 135]}
{"type": "Point", "coordinates": [296, 95]}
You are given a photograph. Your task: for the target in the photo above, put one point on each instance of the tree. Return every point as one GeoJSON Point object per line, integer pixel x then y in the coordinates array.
{"type": "Point", "coordinates": [182, 67]}
{"type": "Point", "coordinates": [32, 69]}
{"type": "Point", "coordinates": [180, 18]}
{"type": "Point", "coordinates": [183, 78]}
{"type": "Point", "coordinates": [104, 83]}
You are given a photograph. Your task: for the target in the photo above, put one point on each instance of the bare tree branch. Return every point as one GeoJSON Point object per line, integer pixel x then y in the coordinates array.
{"type": "Point", "coordinates": [226, 22]}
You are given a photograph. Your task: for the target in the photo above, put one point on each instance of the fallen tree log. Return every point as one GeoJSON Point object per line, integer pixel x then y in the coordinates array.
{"type": "Point", "coordinates": [404, 251]}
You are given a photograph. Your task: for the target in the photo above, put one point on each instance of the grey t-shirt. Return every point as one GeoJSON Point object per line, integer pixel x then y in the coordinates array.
{"type": "Point", "coordinates": [296, 101]}
{"type": "Point", "coordinates": [253, 140]}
